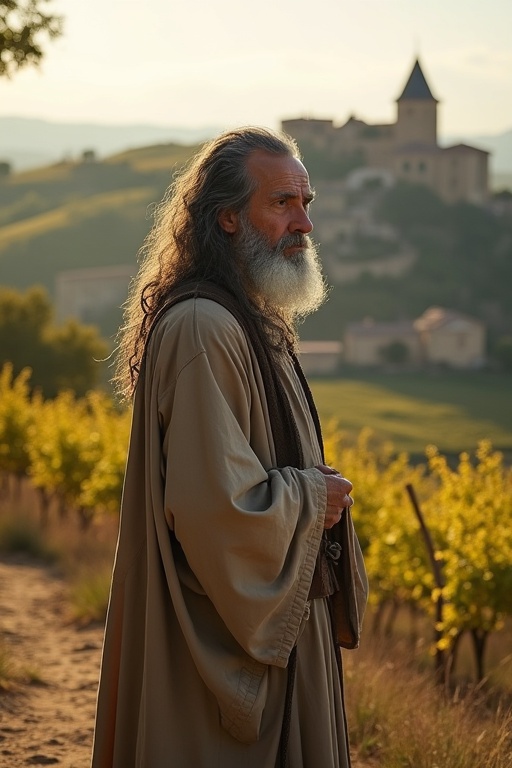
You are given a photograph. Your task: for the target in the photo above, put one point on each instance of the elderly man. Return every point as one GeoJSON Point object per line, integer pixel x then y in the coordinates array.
{"type": "Point", "coordinates": [220, 649]}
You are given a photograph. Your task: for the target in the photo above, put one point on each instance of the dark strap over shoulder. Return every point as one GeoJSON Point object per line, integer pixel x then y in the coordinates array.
{"type": "Point", "coordinates": [285, 433]}
{"type": "Point", "coordinates": [287, 442]}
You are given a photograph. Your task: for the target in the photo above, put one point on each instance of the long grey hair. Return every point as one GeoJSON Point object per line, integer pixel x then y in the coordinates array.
{"type": "Point", "coordinates": [186, 242]}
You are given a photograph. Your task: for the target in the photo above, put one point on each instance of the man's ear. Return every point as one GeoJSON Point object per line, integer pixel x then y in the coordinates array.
{"type": "Point", "coordinates": [228, 220]}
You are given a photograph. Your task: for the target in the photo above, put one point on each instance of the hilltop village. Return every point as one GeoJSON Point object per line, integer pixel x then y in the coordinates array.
{"type": "Point", "coordinates": [416, 249]}
{"type": "Point", "coordinates": [369, 158]}
{"type": "Point", "coordinates": [407, 149]}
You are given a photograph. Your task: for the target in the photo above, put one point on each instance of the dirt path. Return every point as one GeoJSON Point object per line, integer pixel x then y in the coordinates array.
{"type": "Point", "coordinates": [48, 722]}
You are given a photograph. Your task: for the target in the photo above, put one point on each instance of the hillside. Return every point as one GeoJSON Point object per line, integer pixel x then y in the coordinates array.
{"type": "Point", "coordinates": [393, 253]}
{"type": "Point", "coordinates": [389, 253]}
{"type": "Point", "coordinates": [74, 215]}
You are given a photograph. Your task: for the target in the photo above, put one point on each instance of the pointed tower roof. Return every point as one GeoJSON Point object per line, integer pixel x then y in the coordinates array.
{"type": "Point", "coordinates": [416, 87]}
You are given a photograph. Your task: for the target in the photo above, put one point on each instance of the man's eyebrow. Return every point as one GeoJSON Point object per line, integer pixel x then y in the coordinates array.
{"type": "Point", "coordinates": [309, 196]}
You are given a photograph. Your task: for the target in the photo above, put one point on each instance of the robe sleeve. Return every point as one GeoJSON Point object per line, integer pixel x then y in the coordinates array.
{"type": "Point", "coordinates": [249, 532]}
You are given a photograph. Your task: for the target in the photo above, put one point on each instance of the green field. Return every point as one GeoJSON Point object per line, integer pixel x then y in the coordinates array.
{"type": "Point", "coordinates": [451, 410]}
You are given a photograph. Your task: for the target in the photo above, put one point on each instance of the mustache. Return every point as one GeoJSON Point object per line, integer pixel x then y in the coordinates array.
{"type": "Point", "coordinates": [298, 240]}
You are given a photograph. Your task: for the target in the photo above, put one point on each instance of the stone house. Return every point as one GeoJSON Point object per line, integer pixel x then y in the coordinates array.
{"type": "Point", "coordinates": [451, 338]}
{"type": "Point", "coordinates": [319, 358]}
{"type": "Point", "coordinates": [438, 337]}
{"type": "Point", "coordinates": [364, 342]}
{"type": "Point", "coordinates": [85, 294]}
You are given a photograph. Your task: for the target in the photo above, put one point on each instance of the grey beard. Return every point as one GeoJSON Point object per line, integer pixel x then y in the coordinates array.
{"type": "Point", "coordinates": [292, 285]}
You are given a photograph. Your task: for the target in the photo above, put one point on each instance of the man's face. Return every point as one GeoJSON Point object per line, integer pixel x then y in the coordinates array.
{"type": "Point", "coordinates": [270, 236]}
{"type": "Point", "coordinates": [278, 258]}
{"type": "Point", "coordinates": [280, 204]}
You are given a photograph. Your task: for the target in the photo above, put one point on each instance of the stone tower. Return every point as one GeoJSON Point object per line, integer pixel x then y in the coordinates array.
{"type": "Point", "coordinates": [407, 149]}
{"type": "Point", "coordinates": [416, 112]}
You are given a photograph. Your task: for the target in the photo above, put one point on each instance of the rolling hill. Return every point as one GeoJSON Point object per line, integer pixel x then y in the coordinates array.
{"type": "Point", "coordinates": [77, 215]}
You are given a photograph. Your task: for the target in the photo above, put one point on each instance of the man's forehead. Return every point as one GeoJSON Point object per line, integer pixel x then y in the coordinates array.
{"type": "Point", "coordinates": [273, 170]}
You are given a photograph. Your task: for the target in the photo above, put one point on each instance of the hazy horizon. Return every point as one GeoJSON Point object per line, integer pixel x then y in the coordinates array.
{"type": "Point", "coordinates": [223, 65]}
{"type": "Point", "coordinates": [201, 128]}
{"type": "Point", "coordinates": [27, 142]}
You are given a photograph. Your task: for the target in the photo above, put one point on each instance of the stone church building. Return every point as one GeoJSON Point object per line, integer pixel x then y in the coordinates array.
{"type": "Point", "coordinates": [408, 148]}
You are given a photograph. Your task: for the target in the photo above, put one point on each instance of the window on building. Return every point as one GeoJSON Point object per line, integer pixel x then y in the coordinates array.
{"type": "Point", "coordinates": [422, 167]}
{"type": "Point", "coordinates": [406, 166]}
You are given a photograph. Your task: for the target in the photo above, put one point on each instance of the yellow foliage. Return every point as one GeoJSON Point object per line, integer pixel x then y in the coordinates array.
{"type": "Point", "coordinates": [76, 448]}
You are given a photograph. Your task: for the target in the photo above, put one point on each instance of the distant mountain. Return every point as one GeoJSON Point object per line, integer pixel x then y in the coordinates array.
{"type": "Point", "coordinates": [29, 143]}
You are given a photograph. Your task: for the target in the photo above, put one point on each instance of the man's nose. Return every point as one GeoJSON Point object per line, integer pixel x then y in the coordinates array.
{"type": "Point", "coordinates": [301, 223]}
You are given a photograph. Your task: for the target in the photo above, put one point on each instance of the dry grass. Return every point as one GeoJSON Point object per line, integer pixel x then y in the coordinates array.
{"type": "Point", "coordinates": [84, 558]}
{"type": "Point", "coordinates": [20, 533]}
{"type": "Point", "coordinates": [398, 717]}
{"type": "Point", "coordinates": [7, 667]}
{"type": "Point", "coordinates": [89, 594]}
{"type": "Point", "coordinates": [12, 672]}
{"type": "Point", "coordinates": [401, 719]}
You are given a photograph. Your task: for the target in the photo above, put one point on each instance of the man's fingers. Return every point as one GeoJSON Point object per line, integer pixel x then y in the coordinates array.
{"type": "Point", "coordinates": [338, 491]}
{"type": "Point", "coordinates": [332, 516]}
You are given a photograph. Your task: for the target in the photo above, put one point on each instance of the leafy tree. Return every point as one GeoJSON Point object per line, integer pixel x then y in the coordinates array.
{"type": "Point", "coordinates": [467, 510]}
{"type": "Point", "coordinates": [411, 206]}
{"type": "Point", "coordinates": [23, 24]}
{"type": "Point", "coordinates": [470, 519]}
{"type": "Point", "coordinates": [328, 165]}
{"type": "Point", "coordinates": [76, 351]}
{"type": "Point", "coordinates": [23, 318]}
{"type": "Point", "coordinates": [102, 489]}
{"type": "Point", "coordinates": [72, 449]}
{"type": "Point", "coordinates": [16, 417]}
{"type": "Point", "coordinates": [77, 450]}
{"type": "Point", "coordinates": [64, 448]}
{"type": "Point", "coordinates": [396, 353]}
{"type": "Point", "coordinates": [61, 357]}
{"type": "Point", "coordinates": [503, 353]}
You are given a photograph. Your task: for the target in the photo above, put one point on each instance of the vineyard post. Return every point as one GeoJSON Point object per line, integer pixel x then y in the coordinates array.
{"type": "Point", "coordinates": [438, 578]}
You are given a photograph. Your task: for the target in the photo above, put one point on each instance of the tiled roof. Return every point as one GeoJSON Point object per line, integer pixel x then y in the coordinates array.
{"type": "Point", "coordinates": [371, 328]}
{"type": "Point", "coordinates": [320, 347]}
{"type": "Point", "coordinates": [437, 317]}
{"type": "Point", "coordinates": [465, 148]}
{"type": "Point", "coordinates": [417, 148]}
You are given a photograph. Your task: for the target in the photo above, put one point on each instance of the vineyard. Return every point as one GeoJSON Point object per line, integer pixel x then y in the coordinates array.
{"type": "Point", "coordinates": [73, 451]}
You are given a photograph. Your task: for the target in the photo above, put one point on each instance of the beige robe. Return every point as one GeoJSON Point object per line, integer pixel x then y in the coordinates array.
{"type": "Point", "coordinates": [214, 562]}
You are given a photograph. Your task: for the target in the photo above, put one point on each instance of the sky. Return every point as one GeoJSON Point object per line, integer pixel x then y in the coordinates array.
{"type": "Point", "coordinates": [194, 63]}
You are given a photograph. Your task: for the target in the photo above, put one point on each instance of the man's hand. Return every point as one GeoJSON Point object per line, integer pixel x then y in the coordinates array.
{"type": "Point", "coordinates": [338, 490]}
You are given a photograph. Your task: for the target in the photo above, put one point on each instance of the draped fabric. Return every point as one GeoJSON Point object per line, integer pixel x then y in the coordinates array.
{"type": "Point", "coordinates": [215, 558]}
